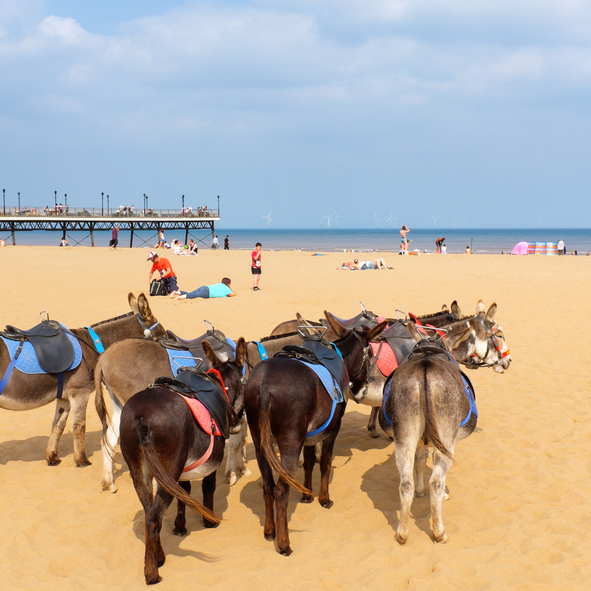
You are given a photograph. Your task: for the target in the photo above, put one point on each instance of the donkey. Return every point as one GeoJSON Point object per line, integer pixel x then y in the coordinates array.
{"type": "Point", "coordinates": [28, 391]}
{"type": "Point", "coordinates": [131, 365]}
{"type": "Point", "coordinates": [287, 403]}
{"type": "Point", "coordinates": [161, 439]}
{"type": "Point", "coordinates": [427, 401]}
{"type": "Point", "coordinates": [476, 342]}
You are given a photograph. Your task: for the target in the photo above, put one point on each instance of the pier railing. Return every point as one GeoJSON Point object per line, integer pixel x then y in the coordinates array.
{"type": "Point", "coordinates": [98, 212]}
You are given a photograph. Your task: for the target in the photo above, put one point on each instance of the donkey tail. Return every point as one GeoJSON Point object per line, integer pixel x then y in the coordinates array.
{"type": "Point", "coordinates": [170, 485]}
{"type": "Point", "coordinates": [269, 451]}
{"type": "Point", "coordinates": [430, 416]}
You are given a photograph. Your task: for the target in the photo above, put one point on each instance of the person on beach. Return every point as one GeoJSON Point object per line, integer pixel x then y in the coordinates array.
{"type": "Point", "coordinates": [161, 242]}
{"type": "Point", "coordinates": [468, 250]}
{"type": "Point", "coordinates": [438, 244]}
{"type": "Point", "coordinates": [2, 241]}
{"type": "Point", "coordinates": [217, 290]}
{"type": "Point", "coordinates": [358, 265]}
{"type": "Point", "coordinates": [403, 239]}
{"type": "Point", "coordinates": [64, 242]}
{"type": "Point", "coordinates": [114, 238]}
{"type": "Point", "coordinates": [193, 249]}
{"type": "Point", "coordinates": [255, 266]}
{"type": "Point", "coordinates": [164, 268]}
{"type": "Point", "coordinates": [227, 243]}
{"type": "Point", "coordinates": [443, 249]}
{"type": "Point", "coordinates": [561, 247]}
{"type": "Point", "coordinates": [215, 243]}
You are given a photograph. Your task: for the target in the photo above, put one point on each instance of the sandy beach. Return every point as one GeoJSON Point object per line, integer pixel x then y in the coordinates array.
{"type": "Point", "coordinates": [519, 511]}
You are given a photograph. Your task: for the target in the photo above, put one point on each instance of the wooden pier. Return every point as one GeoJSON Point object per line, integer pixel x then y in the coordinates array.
{"type": "Point", "coordinates": [89, 221]}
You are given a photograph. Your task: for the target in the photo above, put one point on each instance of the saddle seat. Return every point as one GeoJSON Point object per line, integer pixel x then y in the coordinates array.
{"type": "Point", "coordinates": [52, 346]}
{"type": "Point", "coordinates": [362, 320]}
{"type": "Point", "coordinates": [196, 384]}
{"type": "Point", "coordinates": [216, 338]}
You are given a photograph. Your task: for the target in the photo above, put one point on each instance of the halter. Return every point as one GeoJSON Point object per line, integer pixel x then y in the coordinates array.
{"type": "Point", "coordinates": [367, 355]}
{"type": "Point", "coordinates": [494, 339]}
{"type": "Point", "coordinates": [147, 330]}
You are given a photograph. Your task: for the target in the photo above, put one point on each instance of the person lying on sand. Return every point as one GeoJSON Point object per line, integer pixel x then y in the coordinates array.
{"type": "Point", "coordinates": [379, 264]}
{"type": "Point", "coordinates": [217, 290]}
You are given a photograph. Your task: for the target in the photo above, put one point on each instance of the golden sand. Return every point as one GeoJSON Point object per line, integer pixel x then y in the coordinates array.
{"type": "Point", "coordinates": [519, 512]}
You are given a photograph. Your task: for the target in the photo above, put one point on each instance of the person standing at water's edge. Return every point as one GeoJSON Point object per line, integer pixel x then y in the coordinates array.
{"type": "Point", "coordinates": [164, 268]}
{"type": "Point", "coordinates": [255, 266]}
{"type": "Point", "coordinates": [404, 240]}
{"type": "Point", "coordinates": [227, 243]}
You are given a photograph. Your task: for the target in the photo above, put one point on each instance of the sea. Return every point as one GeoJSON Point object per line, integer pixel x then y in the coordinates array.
{"type": "Point", "coordinates": [481, 241]}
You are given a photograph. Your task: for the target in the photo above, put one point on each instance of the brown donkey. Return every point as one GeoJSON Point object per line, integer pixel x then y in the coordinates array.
{"type": "Point", "coordinates": [161, 439]}
{"type": "Point", "coordinates": [427, 402]}
{"type": "Point", "coordinates": [28, 391]}
{"type": "Point", "coordinates": [286, 403]}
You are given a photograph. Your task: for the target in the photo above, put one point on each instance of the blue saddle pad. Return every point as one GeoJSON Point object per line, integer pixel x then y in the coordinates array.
{"type": "Point", "coordinates": [180, 359]}
{"type": "Point", "coordinates": [329, 383]}
{"type": "Point", "coordinates": [27, 360]}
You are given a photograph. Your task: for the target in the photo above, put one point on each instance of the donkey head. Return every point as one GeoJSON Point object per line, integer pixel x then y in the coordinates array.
{"type": "Point", "coordinates": [143, 312]}
{"type": "Point", "coordinates": [233, 381]}
{"type": "Point", "coordinates": [490, 347]}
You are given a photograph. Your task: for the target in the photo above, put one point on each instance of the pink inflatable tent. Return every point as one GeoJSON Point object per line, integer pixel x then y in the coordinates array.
{"type": "Point", "coordinates": [520, 248]}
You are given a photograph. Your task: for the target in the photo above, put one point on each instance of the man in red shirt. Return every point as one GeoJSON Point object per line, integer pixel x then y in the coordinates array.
{"type": "Point", "coordinates": [164, 268]}
{"type": "Point", "coordinates": [255, 267]}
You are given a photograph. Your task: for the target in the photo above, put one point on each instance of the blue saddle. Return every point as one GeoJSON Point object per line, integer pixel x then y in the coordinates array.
{"type": "Point", "coordinates": [28, 362]}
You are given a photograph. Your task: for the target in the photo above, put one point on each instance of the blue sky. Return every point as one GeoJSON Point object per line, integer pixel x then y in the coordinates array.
{"type": "Point", "coordinates": [473, 113]}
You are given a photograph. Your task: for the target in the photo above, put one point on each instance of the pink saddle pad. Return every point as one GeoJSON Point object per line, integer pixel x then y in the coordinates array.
{"type": "Point", "coordinates": [202, 415]}
{"type": "Point", "coordinates": [387, 362]}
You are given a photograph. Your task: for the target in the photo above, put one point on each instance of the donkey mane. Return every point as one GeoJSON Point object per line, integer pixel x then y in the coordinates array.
{"type": "Point", "coordinates": [113, 319]}
{"type": "Point", "coordinates": [274, 337]}
{"type": "Point", "coordinates": [423, 316]}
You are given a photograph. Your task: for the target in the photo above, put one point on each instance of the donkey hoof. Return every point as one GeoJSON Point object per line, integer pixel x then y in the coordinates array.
{"type": "Point", "coordinates": [153, 580]}
{"type": "Point", "coordinates": [83, 462]}
{"type": "Point", "coordinates": [326, 504]}
{"type": "Point", "coordinates": [231, 478]}
{"type": "Point", "coordinates": [209, 524]}
{"type": "Point", "coordinates": [441, 539]}
{"type": "Point", "coordinates": [269, 536]}
{"type": "Point", "coordinates": [180, 531]}
{"type": "Point", "coordinates": [374, 434]}
{"type": "Point", "coordinates": [401, 539]}
{"type": "Point", "coordinates": [53, 460]}
{"type": "Point", "coordinates": [307, 498]}
{"type": "Point", "coordinates": [286, 551]}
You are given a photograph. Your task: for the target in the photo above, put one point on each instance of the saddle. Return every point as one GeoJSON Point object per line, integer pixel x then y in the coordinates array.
{"type": "Point", "coordinates": [319, 352]}
{"type": "Point", "coordinates": [50, 341]}
{"type": "Point", "coordinates": [196, 384]}
{"type": "Point", "coordinates": [399, 340]}
{"type": "Point", "coordinates": [216, 338]}
{"type": "Point", "coordinates": [430, 347]}
{"type": "Point", "coordinates": [365, 319]}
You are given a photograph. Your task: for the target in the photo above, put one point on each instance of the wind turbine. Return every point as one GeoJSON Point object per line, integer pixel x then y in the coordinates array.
{"type": "Point", "coordinates": [268, 218]}
{"type": "Point", "coordinates": [376, 219]}
{"type": "Point", "coordinates": [327, 218]}
{"type": "Point", "coordinates": [454, 222]}
{"type": "Point", "coordinates": [435, 220]}
{"type": "Point", "coordinates": [391, 219]}
{"type": "Point", "coordinates": [336, 218]}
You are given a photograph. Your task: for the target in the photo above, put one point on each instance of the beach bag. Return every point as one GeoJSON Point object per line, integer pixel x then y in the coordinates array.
{"type": "Point", "coordinates": [158, 288]}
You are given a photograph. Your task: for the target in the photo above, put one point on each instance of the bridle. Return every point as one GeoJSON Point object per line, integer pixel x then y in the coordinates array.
{"type": "Point", "coordinates": [147, 330]}
{"type": "Point", "coordinates": [492, 338]}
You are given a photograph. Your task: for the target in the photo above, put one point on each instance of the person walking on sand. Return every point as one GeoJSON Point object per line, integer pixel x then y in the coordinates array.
{"type": "Point", "coordinates": [114, 238]}
{"type": "Point", "coordinates": [164, 268]}
{"type": "Point", "coordinates": [403, 239]}
{"type": "Point", "coordinates": [215, 243]}
{"type": "Point", "coordinates": [227, 243]}
{"type": "Point", "coordinates": [255, 266]}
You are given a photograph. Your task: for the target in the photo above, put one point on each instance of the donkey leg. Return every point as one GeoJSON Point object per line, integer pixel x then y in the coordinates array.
{"type": "Point", "coordinates": [373, 421]}
{"type": "Point", "coordinates": [325, 470]}
{"type": "Point", "coordinates": [236, 462]}
{"type": "Point", "coordinates": [155, 557]}
{"type": "Point", "coordinates": [108, 444]}
{"type": "Point", "coordinates": [441, 464]}
{"type": "Point", "coordinates": [79, 404]}
{"type": "Point", "coordinates": [421, 456]}
{"type": "Point", "coordinates": [405, 463]}
{"type": "Point", "coordinates": [62, 410]}
{"type": "Point", "coordinates": [180, 523]}
{"type": "Point", "coordinates": [281, 495]}
{"type": "Point", "coordinates": [309, 462]}
{"type": "Point", "coordinates": [208, 488]}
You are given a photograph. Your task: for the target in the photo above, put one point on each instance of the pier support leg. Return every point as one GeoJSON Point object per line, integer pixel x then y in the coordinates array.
{"type": "Point", "coordinates": [91, 236]}
{"type": "Point", "coordinates": [131, 238]}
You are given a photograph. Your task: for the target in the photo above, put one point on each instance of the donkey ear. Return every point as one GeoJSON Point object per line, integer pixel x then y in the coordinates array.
{"type": "Point", "coordinates": [240, 352]}
{"type": "Point", "coordinates": [455, 309]}
{"type": "Point", "coordinates": [376, 330]}
{"type": "Point", "coordinates": [305, 326]}
{"type": "Point", "coordinates": [480, 309]}
{"type": "Point", "coordinates": [490, 315]}
{"type": "Point", "coordinates": [209, 353]}
{"type": "Point", "coordinates": [132, 303]}
{"type": "Point", "coordinates": [414, 333]}
{"type": "Point", "coordinates": [144, 306]}
{"type": "Point", "coordinates": [444, 308]}
{"type": "Point", "coordinates": [335, 325]}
